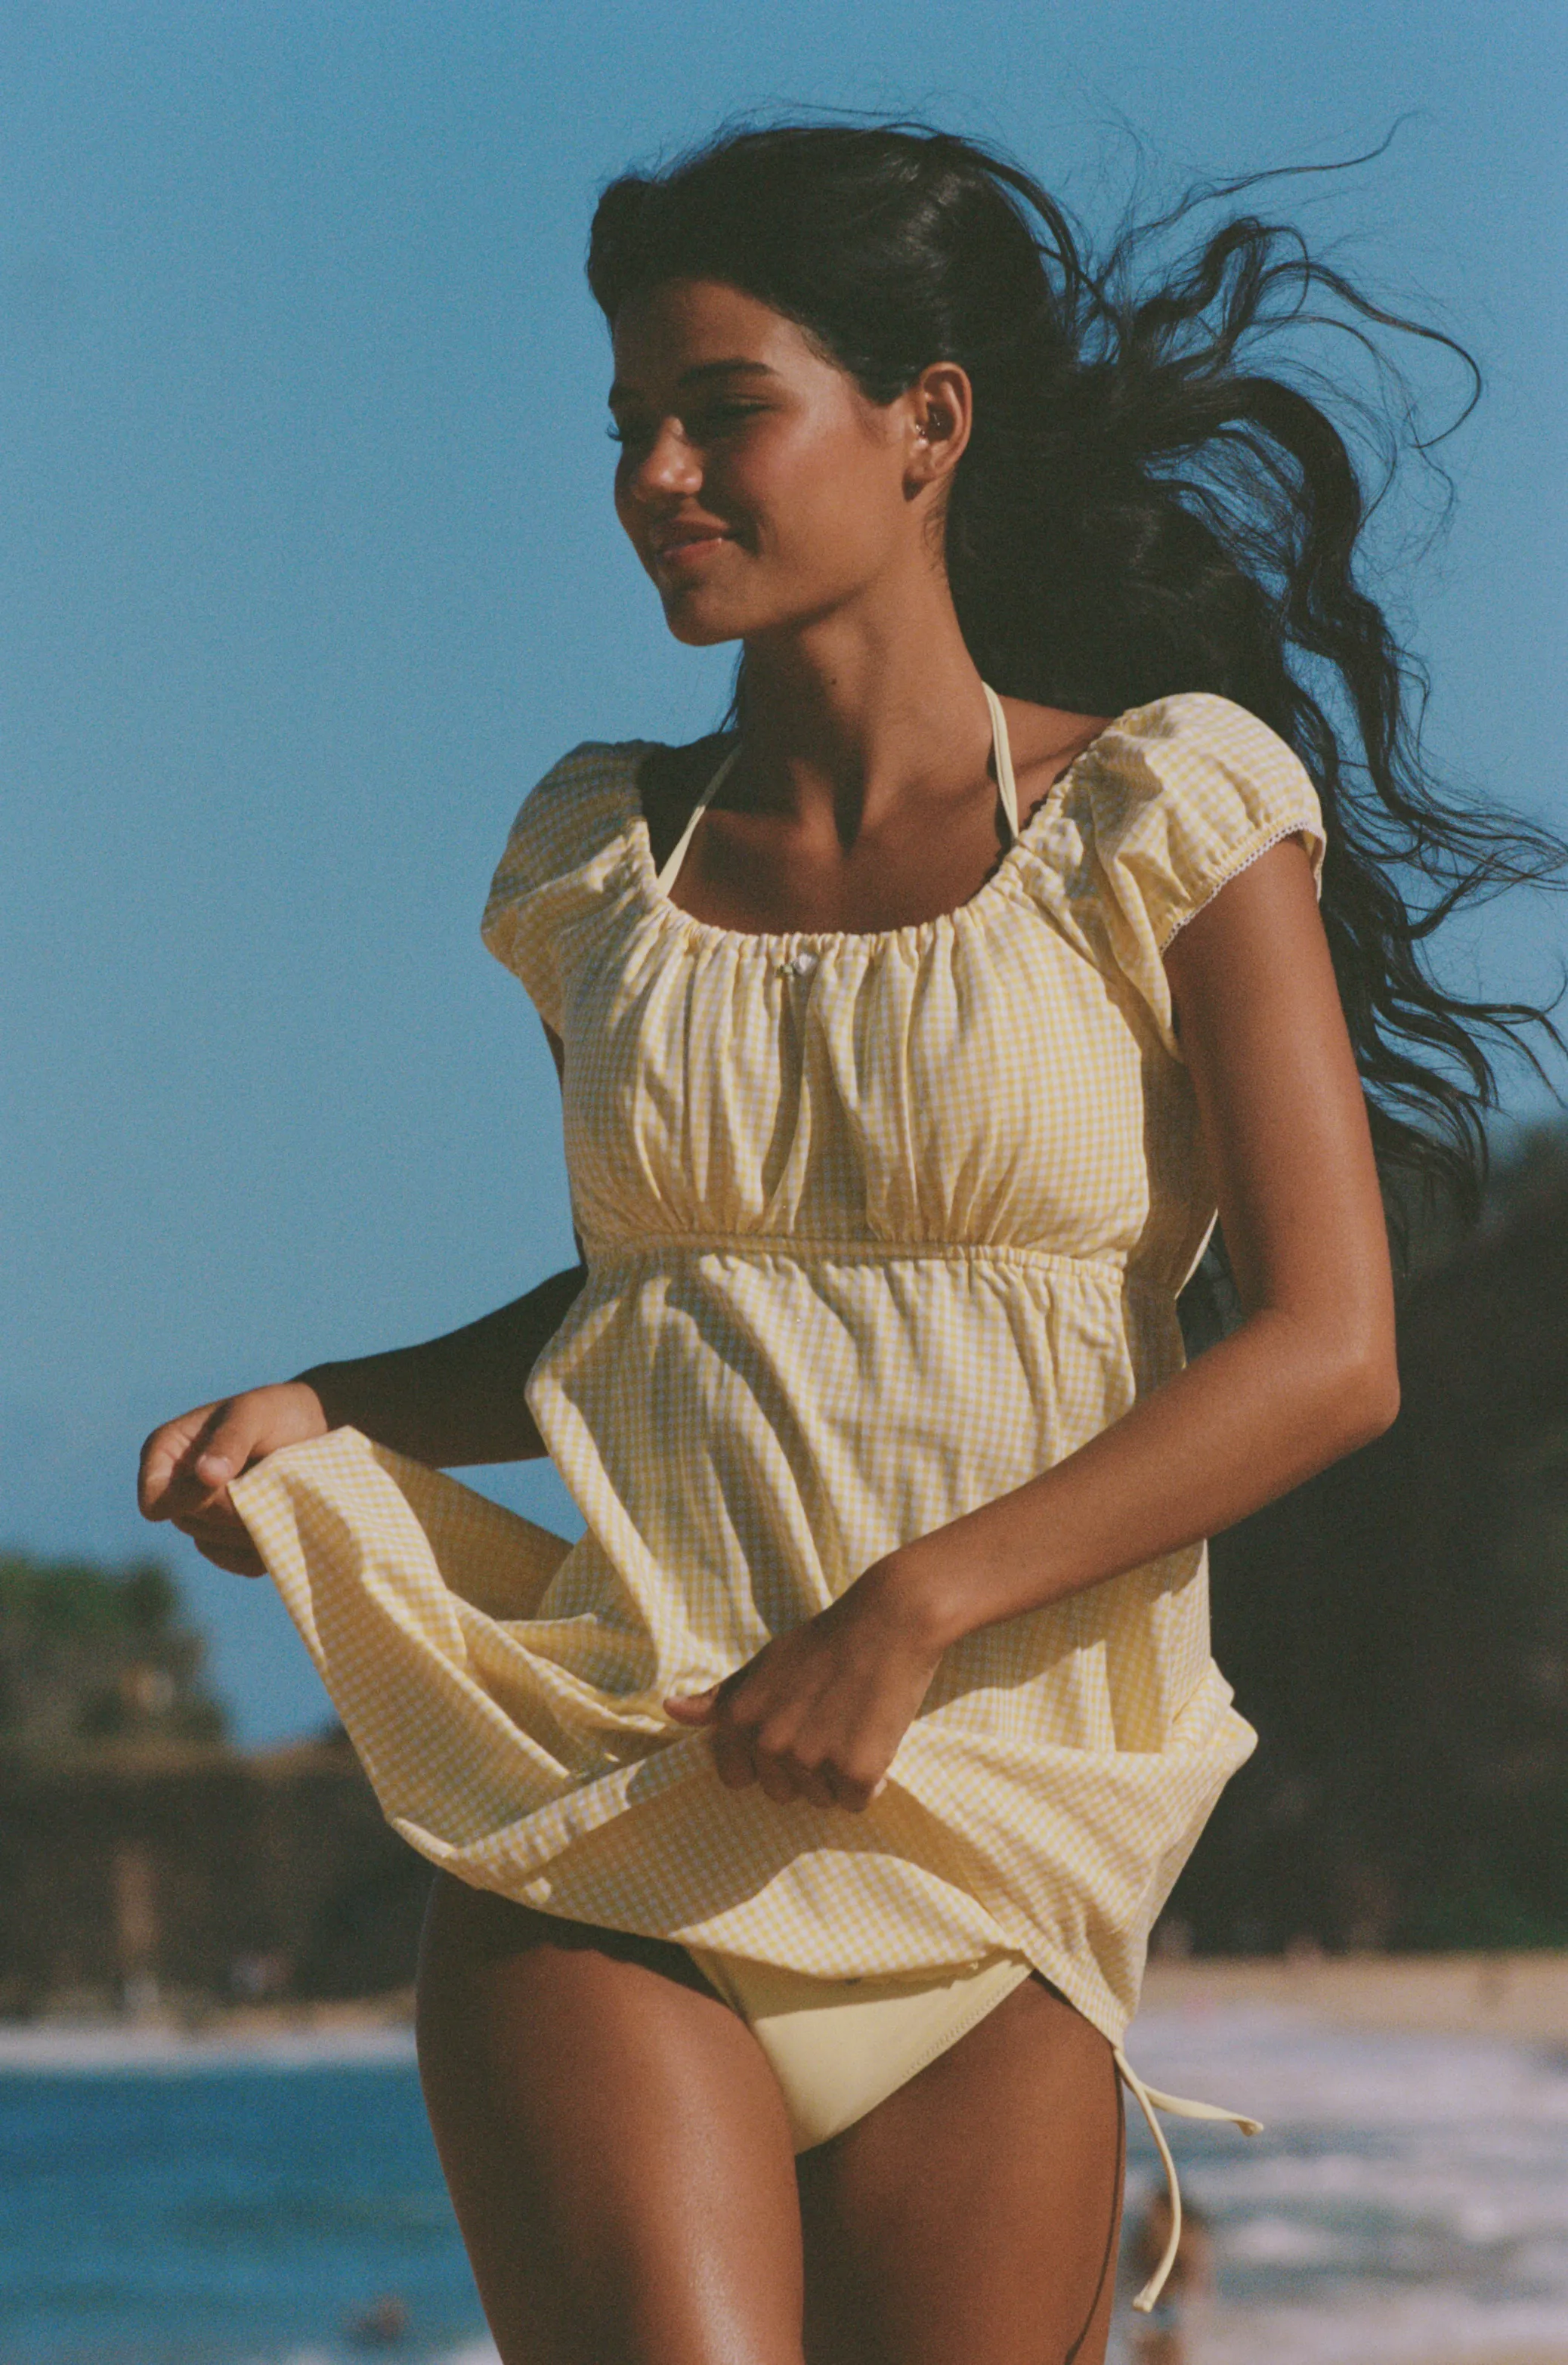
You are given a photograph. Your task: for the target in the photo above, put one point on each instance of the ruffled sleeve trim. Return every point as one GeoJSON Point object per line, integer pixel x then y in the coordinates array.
{"type": "Point", "coordinates": [558, 859]}
{"type": "Point", "coordinates": [1171, 804]}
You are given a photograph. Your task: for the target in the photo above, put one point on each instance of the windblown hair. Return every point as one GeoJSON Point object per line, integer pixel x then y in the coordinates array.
{"type": "Point", "coordinates": [1140, 510]}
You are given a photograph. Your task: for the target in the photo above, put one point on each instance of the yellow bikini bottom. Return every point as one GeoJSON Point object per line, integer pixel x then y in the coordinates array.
{"type": "Point", "coordinates": [840, 2047]}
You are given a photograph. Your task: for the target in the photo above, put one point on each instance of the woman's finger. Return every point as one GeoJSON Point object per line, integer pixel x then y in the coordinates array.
{"type": "Point", "coordinates": [733, 1758]}
{"type": "Point", "coordinates": [693, 1707]}
{"type": "Point", "coordinates": [777, 1780]}
{"type": "Point", "coordinates": [233, 1437]}
{"type": "Point", "coordinates": [186, 1465]}
{"type": "Point", "coordinates": [816, 1785]}
{"type": "Point", "coordinates": [226, 1542]}
{"type": "Point", "coordinates": [180, 1477]}
{"type": "Point", "coordinates": [855, 1787]}
{"type": "Point", "coordinates": [163, 1459]}
{"type": "Point", "coordinates": [233, 1563]}
{"type": "Point", "coordinates": [218, 1526]}
{"type": "Point", "coordinates": [236, 1558]}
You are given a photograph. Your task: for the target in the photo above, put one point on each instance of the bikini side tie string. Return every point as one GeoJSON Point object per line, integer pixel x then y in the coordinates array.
{"type": "Point", "coordinates": [1150, 2100]}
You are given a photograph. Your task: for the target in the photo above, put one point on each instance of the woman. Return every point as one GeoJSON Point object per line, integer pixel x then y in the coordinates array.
{"type": "Point", "coordinates": [802, 1828]}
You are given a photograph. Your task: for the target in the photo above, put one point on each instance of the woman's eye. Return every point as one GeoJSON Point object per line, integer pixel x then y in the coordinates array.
{"type": "Point", "coordinates": [719, 416]}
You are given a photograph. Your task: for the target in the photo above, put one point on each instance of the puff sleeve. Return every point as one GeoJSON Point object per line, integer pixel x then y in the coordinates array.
{"type": "Point", "coordinates": [558, 856]}
{"type": "Point", "coordinates": [1170, 802]}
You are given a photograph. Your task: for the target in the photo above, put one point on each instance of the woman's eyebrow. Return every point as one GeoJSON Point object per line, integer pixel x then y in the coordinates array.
{"type": "Point", "coordinates": [699, 374]}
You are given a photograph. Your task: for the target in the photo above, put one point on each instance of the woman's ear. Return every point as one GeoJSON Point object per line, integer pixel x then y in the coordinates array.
{"type": "Point", "coordinates": [939, 414]}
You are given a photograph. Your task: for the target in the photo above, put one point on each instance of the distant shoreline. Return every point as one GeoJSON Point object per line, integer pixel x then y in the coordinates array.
{"type": "Point", "coordinates": [1530, 2354]}
{"type": "Point", "coordinates": [375, 2031]}
{"type": "Point", "coordinates": [1519, 1997]}
{"type": "Point", "coordinates": [1505, 2357]}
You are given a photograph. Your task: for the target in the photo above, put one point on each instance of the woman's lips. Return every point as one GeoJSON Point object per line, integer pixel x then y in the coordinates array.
{"type": "Point", "coordinates": [676, 556]}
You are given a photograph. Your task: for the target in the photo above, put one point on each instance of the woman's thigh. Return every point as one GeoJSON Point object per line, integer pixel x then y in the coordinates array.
{"type": "Point", "coordinates": [614, 2140]}
{"type": "Point", "coordinates": [974, 2215]}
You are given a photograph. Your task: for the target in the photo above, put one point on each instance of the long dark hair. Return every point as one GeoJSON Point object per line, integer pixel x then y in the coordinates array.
{"type": "Point", "coordinates": [1139, 511]}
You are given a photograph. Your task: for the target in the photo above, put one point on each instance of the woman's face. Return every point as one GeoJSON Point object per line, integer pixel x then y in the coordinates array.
{"type": "Point", "coordinates": [760, 489]}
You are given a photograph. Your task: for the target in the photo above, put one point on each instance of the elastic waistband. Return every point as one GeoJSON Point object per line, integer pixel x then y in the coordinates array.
{"type": "Point", "coordinates": [808, 1248]}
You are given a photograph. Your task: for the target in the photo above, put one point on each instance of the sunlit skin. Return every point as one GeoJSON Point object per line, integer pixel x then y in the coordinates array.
{"type": "Point", "coordinates": [609, 2130]}
{"type": "Point", "coordinates": [770, 502]}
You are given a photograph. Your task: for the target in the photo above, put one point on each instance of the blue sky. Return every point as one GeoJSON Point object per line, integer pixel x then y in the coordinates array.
{"type": "Point", "coordinates": [312, 570]}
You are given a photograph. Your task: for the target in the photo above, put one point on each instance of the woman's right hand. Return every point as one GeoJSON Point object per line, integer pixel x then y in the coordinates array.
{"type": "Point", "coordinates": [187, 1463]}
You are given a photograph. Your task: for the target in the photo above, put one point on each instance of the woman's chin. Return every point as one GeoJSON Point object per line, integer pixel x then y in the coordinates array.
{"type": "Point", "coordinates": [699, 623]}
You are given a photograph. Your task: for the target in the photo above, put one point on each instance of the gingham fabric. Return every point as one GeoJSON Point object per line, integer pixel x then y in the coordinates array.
{"type": "Point", "coordinates": [876, 1226]}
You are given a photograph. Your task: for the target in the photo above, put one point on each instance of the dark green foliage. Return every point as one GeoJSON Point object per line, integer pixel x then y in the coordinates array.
{"type": "Point", "coordinates": [1398, 1630]}
{"type": "Point", "coordinates": [89, 1653]}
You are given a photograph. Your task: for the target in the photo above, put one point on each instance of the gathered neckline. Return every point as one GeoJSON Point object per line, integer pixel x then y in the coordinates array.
{"type": "Point", "coordinates": [909, 931]}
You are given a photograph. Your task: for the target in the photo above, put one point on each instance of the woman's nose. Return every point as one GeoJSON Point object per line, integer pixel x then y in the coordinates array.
{"type": "Point", "coordinates": [666, 464]}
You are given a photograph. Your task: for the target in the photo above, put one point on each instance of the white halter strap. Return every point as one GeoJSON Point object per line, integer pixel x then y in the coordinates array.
{"type": "Point", "coordinates": [670, 871]}
{"type": "Point", "coordinates": [1002, 750]}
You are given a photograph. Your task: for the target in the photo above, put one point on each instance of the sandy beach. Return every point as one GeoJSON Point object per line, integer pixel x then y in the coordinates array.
{"type": "Point", "coordinates": [1518, 1997]}
{"type": "Point", "coordinates": [1504, 2357]}
{"type": "Point", "coordinates": [1553, 2356]}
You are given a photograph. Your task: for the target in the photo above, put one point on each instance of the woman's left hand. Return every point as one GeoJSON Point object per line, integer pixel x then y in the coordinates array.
{"type": "Point", "coordinates": [819, 1714]}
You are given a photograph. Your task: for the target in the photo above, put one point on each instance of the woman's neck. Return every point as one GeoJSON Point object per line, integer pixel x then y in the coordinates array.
{"type": "Point", "coordinates": [856, 710]}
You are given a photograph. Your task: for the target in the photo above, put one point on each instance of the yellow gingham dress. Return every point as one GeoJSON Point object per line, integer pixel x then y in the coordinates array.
{"type": "Point", "coordinates": [876, 1226]}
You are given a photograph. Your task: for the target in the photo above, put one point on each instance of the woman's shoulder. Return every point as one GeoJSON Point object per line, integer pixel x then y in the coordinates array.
{"type": "Point", "coordinates": [601, 781]}
{"type": "Point", "coordinates": [1167, 804]}
{"type": "Point", "coordinates": [561, 848]}
{"type": "Point", "coordinates": [1190, 783]}
{"type": "Point", "coordinates": [571, 839]}
{"type": "Point", "coordinates": [594, 771]}
{"type": "Point", "coordinates": [1191, 719]}
{"type": "Point", "coordinates": [1148, 743]}
{"type": "Point", "coordinates": [669, 781]}
{"type": "Point", "coordinates": [568, 815]}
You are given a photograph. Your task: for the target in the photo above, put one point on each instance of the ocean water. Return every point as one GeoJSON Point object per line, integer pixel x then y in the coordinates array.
{"type": "Point", "coordinates": [223, 2211]}
{"type": "Point", "coordinates": [163, 2203]}
{"type": "Point", "coordinates": [1405, 2204]}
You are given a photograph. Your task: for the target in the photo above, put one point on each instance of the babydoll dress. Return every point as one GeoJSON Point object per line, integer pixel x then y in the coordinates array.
{"type": "Point", "coordinates": [876, 1226]}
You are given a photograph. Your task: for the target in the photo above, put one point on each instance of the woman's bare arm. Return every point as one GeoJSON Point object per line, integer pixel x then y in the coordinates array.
{"type": "Point", "coordinates": [451, 1402]}
{"type": "Point", "coordinates": [1310, 1373]}
{"type": "Point", "coordinates": [455, 1400]}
